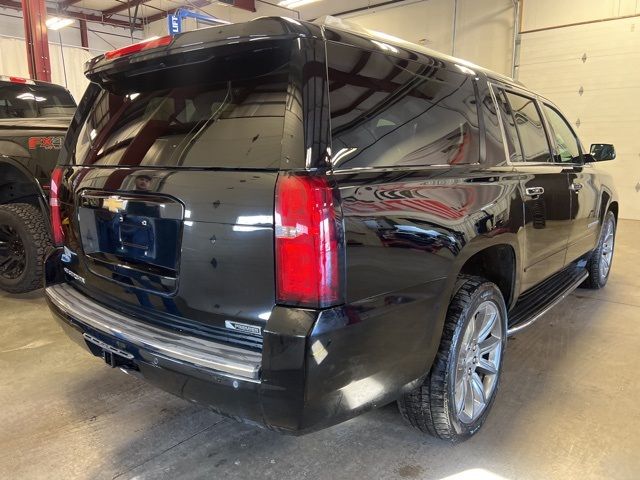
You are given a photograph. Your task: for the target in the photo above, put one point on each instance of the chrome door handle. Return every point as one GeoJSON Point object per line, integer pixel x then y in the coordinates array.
{"type": "Point", "coordinates": [576, 187]}
{"type": "Point", "coordinates": [534, 191]}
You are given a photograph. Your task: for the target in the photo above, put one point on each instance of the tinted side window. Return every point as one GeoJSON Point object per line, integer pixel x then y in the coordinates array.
{"type": "Point", "coordinates": [530, 128]}
{"type": "Point", "coordinates": [494, 140]}
{"type": "Point", "coordinates": [567, 149]}
{"type": "Point", "coordinates": [387, 111]}
{"type": "Point", "coordinates": [508, 121]}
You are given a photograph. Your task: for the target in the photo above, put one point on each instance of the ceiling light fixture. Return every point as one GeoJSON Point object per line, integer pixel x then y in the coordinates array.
{"type": "Point", "coordinates": [295, 3]}
{"type": "Point", "coordinates": [56, 23]}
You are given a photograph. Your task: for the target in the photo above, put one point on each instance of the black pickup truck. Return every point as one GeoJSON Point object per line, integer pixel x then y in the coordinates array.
{"type": "Point", "coordinates": [293, 223]}
{"type": "Point", "coordinates": [34, 117]}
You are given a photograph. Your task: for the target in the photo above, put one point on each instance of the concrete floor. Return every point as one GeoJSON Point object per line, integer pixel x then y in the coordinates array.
{"type": "Point", "coordinates": [569, 408]}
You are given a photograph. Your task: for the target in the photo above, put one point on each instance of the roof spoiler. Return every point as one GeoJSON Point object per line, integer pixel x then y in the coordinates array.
{"type": "Point", "coordinates": [257, 30]}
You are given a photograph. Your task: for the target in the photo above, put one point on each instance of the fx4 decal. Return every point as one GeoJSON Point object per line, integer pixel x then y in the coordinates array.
{"type": "Point", "coordinates": [47, 143]}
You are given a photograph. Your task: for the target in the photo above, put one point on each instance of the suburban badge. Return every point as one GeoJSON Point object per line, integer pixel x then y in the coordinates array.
{"type": "Point", "coordinates": [243, 327]}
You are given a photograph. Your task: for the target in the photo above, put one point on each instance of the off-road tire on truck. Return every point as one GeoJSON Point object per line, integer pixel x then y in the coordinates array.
{"type": "Point", "coordinates": [24, 239]}
{"type": "Point", "coordinates": [599, 265]}
{"type": "Point", "coordinates": [432, 407]}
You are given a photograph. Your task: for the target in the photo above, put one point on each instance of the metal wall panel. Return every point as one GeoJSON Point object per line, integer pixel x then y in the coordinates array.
{"type": "Point", "coordinates": [592, 72]}
{"type": "Point", "coordinates": [483, 28]}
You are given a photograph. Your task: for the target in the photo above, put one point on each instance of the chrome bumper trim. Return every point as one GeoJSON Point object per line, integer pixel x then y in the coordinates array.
{"type": "Point", "coordinates": [226, 359]}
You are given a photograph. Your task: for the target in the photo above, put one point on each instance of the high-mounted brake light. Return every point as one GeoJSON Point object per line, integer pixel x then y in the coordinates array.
{"type": "Point", "coordinates": [54, 203]}
{"type": "Point", "coordinates": [308, 242]}
{"type": "Point", "coordinates": [6, 78]}
{"type": "Point", "coordinates": [138, 47]}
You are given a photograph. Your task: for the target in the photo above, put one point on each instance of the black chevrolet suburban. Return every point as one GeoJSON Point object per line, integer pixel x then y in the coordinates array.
{"type": "Point", "coordinates": [293, 223]}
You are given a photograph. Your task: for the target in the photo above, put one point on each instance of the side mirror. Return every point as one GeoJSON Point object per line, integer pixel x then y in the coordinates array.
{"type": "Point", "coordinates": [601, 152]}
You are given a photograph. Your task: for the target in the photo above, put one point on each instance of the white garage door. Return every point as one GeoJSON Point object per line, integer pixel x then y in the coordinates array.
{"type": "Point", "coordinates": [592, 72]}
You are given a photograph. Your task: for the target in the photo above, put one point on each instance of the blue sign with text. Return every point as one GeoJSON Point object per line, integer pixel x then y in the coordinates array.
{"type": "Point", "coordinates": [175, 24]}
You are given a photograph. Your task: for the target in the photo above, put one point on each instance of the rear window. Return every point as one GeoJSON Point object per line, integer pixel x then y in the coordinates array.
{"type": "Point", "coordinates": [34, 101]}
{"type": "Point", "coordinates": [230, 124]}
{"type": "Point", "coordinates": [388, 112]}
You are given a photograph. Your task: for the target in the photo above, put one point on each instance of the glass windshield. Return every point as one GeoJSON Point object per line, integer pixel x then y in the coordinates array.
{"type": "Point", "coordinates": [34, 101]}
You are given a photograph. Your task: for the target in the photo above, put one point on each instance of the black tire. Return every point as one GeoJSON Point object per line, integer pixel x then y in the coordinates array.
{"type": "Point", "coordinates": [26, 224]}
{"type": "Point", "coordinates": [431, 408]}
{"type": "Point", "coordinates": [598, 273]}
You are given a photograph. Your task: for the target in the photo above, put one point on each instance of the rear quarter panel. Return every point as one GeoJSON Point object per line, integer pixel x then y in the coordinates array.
{"type": "Point", "coordinates": [408, 234]}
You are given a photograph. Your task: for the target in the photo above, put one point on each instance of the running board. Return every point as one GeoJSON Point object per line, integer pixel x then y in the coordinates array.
{"type": "Point", "coordinates": [534, 303]}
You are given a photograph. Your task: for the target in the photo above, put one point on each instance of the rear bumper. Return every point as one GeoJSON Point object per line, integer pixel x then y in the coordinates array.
{"type": "Point", "coordinates": [228, 360]}
{"type": "Point", "coordinates": [222, 378]}
{"type": "Point", "coordinates": [317, 367]}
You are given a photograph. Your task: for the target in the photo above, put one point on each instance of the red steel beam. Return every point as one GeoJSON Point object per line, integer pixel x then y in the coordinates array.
{"type": "Point", "coordinates": [75, 15]}
{"type": "Point", "coordinates": [245, 4]}
{"type": "Point", "coordinates": [159, 16]}
{"type": "Point", "coordinates": [124, 6]}
{"type": "Point", "coordinates": [68, 3]}
{"type": "Point", "coordinates": [98, 19]}
{"type": "Point", "coordinates": [34, 13]}
{"type": "Point", "coordinates": [84, 34]}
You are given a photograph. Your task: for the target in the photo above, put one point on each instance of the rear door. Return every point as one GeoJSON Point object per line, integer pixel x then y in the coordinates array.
{"type": "Point", "coordinates": [583, 188]}
{"type": "Point", "coordinates": [169, 210]}
{"type": "Point", "coordinates": [543, 186]}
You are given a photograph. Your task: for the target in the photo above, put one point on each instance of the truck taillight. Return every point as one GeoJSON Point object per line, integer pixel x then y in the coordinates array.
{"type": "Point", "coordinates": [6, 78]}
{"type": "Point", "coordinates": [308, 242]}
{"type": "Point", "coordinates": [54, 203]}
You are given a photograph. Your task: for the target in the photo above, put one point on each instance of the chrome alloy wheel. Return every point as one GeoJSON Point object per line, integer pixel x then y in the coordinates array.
{"type": "Point", "coordinates": [478, 364]}
{"type": "Point", "coordinates": [607, 250]}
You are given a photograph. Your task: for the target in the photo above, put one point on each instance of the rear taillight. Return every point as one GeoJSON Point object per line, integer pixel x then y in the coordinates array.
{"type": "Point", "coordinates": [308, 242]}
{"type": "Point", "coordinates": [54, 203]}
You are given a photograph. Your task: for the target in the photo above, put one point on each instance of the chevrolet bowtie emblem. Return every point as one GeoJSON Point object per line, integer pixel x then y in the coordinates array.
{"type": "Point", "coordinates": [114, 204]}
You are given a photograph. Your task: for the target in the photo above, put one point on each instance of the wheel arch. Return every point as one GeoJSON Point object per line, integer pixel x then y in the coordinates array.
{"type": "Point", "coordinates": [18, 185]}
{"type": "Point", "coordinates": [608, 202]}
{"type": "Point", "coordinates": [498, 261]}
